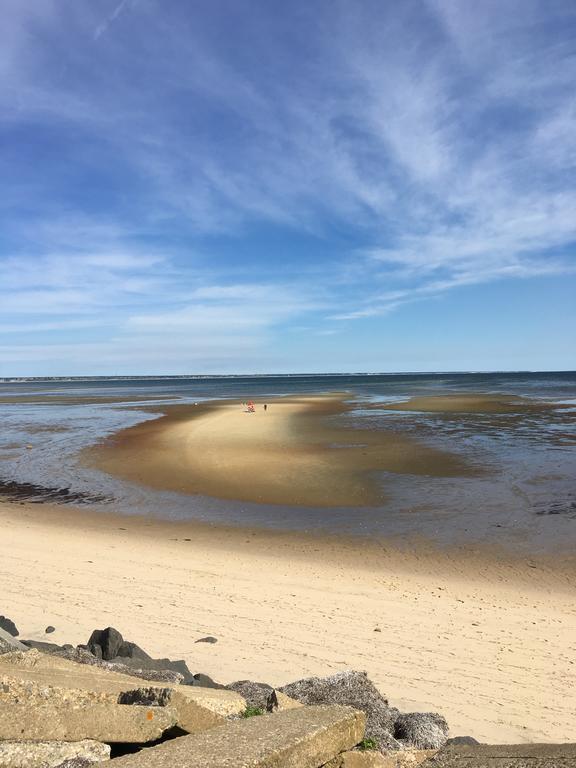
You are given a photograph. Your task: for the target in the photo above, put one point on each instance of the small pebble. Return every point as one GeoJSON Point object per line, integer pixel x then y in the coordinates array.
{"type": "Point", "coordinates": [207, 640]}
{"type": "Point", "coordinates": [49, 629]}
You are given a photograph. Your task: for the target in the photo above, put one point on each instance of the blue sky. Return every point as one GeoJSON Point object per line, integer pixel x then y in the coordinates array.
{"type": "Point", "coordinates": [264, 186]}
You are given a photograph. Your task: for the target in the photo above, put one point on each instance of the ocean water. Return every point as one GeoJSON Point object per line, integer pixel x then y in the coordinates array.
{"type": "Point", "coordinates": [526, 501]}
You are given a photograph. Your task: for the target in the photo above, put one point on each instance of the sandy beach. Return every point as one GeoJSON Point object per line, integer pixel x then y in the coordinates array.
{"type": "Point", "coordinates": [289, 454]}
{"type": "Point", "coordinates": [488, 641]}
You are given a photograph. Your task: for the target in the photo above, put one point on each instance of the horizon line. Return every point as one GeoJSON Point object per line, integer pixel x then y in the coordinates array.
{"type": "Point", "coordinates": [126, 377]}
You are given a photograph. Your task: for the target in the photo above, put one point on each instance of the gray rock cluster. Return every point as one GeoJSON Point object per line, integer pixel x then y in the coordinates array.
{"type": "Point", "coordinates": [256, 694]}
{"type": "Point", "coordinates": [152, 671]}
{"type": "Point", "coordinates": [46, 701]}
{"type": "Point", "coordinates": [421, 730]}
{"type": "Point", "coordinates": [106, 647]}
{"type": "Point", "coordinates": [390, 729]}
{"type": "Point", "coordinates": [386, 725]}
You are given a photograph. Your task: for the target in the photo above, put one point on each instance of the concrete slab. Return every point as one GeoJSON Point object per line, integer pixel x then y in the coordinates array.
{"type": "Point", "coordinates": [505, 756]}
{"type": "Point", "coordinates": [306, 737]}
{"type": "Point", "coordinates": [63, 721]}
{"type": "Point", "coordinates": [49, 754]}
{"type": "Point", "coordinates": [373, 759]}
{"type": "Point", "coordinates": [9, 644]}
{"type": "Point", "coordinates": [54, 671]}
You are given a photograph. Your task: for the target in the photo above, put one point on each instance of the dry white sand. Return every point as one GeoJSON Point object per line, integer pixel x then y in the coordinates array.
{"type": "Point", "coordinates": [490, 644]}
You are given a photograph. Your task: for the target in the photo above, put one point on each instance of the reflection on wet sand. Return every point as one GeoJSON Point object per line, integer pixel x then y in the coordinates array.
{"type": "Point", "coordinates": [471, 403]}
{"type": "Point", "coordinates": [289, 454]}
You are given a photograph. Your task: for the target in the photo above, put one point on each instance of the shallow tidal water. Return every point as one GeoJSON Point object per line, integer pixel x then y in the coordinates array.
{"type": "Point", "coordinates": [526, 500]}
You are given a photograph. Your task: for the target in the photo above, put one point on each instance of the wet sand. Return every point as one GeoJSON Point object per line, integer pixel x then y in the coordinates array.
{"type": "Point", "coordinates": [60, 400]}
{"type": "Point", "coordinates": [471, 403]}
{"type": "Point", "coordinates": [485, 638]}
{"type": "Point", "coordinates": [291, 454]}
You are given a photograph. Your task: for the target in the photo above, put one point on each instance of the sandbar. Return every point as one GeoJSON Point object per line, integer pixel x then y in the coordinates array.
{"type": "Point", "coordinates": [293, 453]}
{"type": "Point", "coordinates": [471, 403]}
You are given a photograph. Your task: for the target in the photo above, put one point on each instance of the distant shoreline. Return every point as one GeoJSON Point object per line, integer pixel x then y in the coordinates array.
{"type": "Point", "coordinates": [200, 376]}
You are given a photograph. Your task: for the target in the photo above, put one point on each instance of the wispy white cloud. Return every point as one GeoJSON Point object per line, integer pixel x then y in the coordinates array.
{"type": "Point", "coordinates": [440, 144]}
{"type": "Point", "coordinates": [122, 6]}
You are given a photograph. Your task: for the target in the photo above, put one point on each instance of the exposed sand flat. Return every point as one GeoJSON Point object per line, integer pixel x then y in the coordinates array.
{"type": "Point", "coordinates": [289, 454]}
{"type": "Point", "coordinates": [490, 643]}
{"type": "Point", "coordinates": [470, 403]}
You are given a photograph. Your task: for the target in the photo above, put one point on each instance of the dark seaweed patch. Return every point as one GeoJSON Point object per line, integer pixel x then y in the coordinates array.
{"type": "Point", "coordinates": [17, 491]}
{"type": "Point", "coordinates": [565, 508]}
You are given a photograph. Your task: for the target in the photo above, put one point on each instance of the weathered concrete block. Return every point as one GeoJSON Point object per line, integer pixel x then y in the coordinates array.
{"type": "Point", "coordinates": [504, 756]}
{"type": "Point", "coordinates": [49, 754]}
{"type": "Point", "coordinates": [65, 721]}
{"type": "Point", "coordinates": [9, 644]}
{"type": "Point", "coordinates": [374, 759]}
{"type": "Point", "coordinates": [408, 759]}
{"type": "Point", "coordinates": [29, 692]}
{"type": "Point", "coordinates": [219, 701]}
{"type": "Point", "coordinates": [306, 737]}
{"type": "Point", "coordinates": [193, 716]}
{"type": "Point", "coordinates": [55, 671]}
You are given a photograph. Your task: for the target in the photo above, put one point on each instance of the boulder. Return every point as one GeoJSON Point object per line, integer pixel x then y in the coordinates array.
{"type": "Point", "coordinates": [353, 689]}
{"type": "Point", "coordinates": [256, 694]}
{"type": "Point", "coordinates": [105, 643]}
{"type": "Point", "coordinates": [279, 702]}
{"type": "Point", "coordinates": [8, 626]}
{"type": "Point", "coordinates": [306, 737]}
{"type": "Point", "coordinates": [421, 730]}
{"type": "Point", "coordinates": [132, 651]}
{"type": "Point", "coordinates": [8, 643]}
{"type": "Point", "coordinates": [42, 645]}
{"type": "Point", "coordinates": [51, 754]}
{"type": "Point", "coordinates": [145, 665]}
{"type": "Point", "coordinates": [469, 740]}
{"type": "Point", "coordinates": [108, 644]}
{"type": "Point", "coordinates": [204, 681]}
